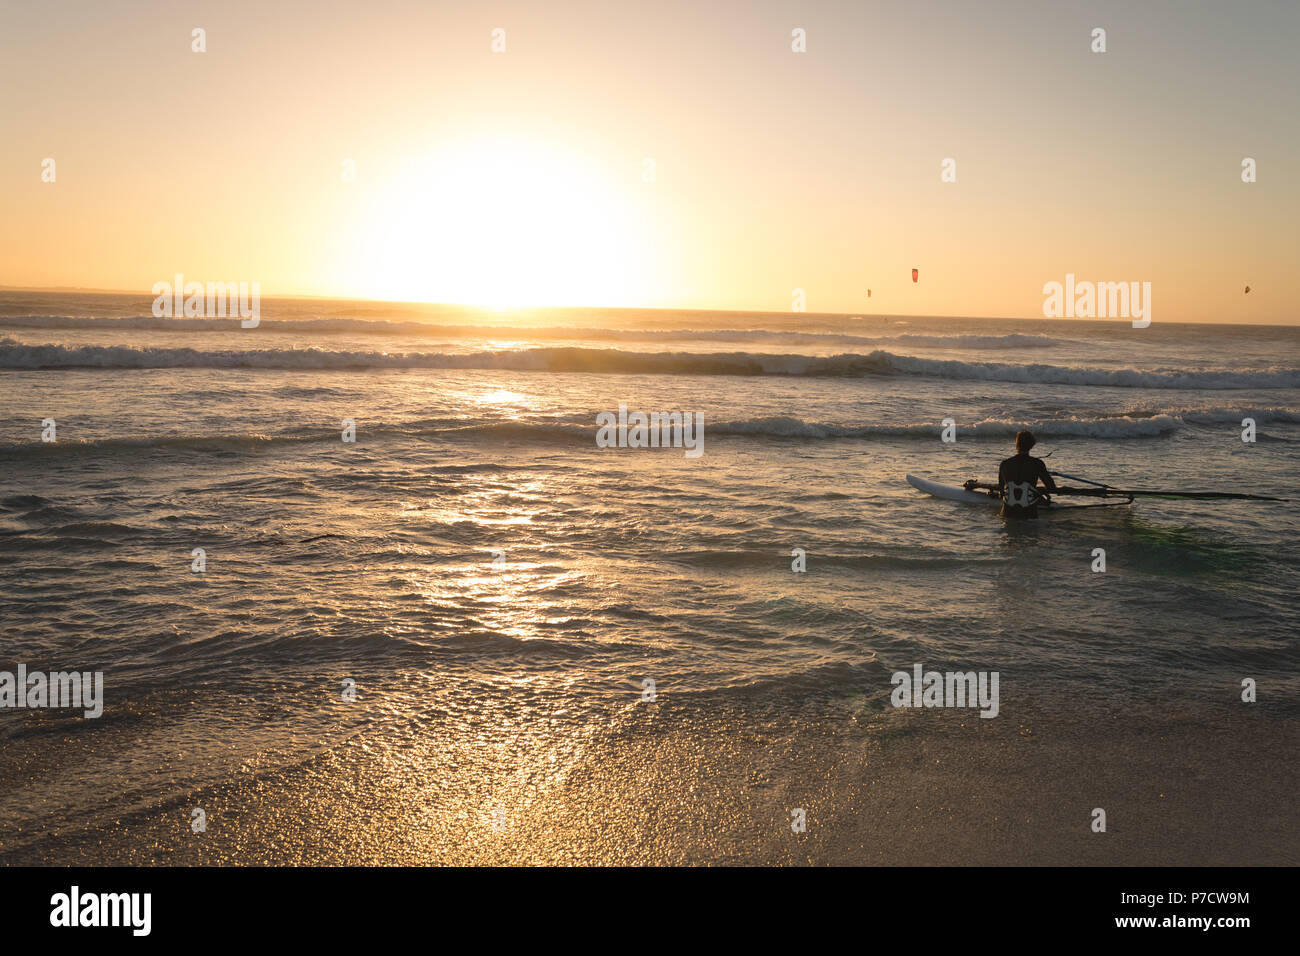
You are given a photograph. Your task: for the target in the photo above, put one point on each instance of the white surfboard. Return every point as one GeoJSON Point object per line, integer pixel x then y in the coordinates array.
{"type": "Point", "coordinates": [952, 492]}
{"type": "Point", "coordinates": [958, 493]}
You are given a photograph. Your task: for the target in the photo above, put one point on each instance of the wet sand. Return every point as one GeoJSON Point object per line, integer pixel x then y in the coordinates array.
{"type": "Point", "coordinates": [672, 784]}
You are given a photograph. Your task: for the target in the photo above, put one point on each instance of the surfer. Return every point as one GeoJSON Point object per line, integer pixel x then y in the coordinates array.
{"type": "Point", "coordinates": [1018, 478]}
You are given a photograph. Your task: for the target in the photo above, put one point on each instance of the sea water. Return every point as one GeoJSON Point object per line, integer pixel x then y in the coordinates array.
{"type": "Point", "coordinates": [255, 588]}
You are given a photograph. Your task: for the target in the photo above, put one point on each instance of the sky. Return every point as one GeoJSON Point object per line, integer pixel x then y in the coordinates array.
{"type": "Point", "coordinates": [519, 177]}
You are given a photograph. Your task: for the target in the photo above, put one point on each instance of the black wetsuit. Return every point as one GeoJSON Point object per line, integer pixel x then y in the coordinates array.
{"type": "Point", "coordinates": [1023, 469]}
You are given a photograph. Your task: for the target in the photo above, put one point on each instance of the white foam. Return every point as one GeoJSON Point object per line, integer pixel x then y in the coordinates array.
{"type": "Point", "coordinates": [16, 355]}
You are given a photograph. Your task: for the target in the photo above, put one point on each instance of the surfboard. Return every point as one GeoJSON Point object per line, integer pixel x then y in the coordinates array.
{"type": "Point", "coordinates": [952, 492]}
{"type": "Point", "coordinates": [958, 493]}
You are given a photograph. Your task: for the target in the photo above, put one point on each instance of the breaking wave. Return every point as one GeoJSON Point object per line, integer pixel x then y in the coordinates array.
{"type": "Point", "coordinates": [16, 355]}
{"type": "Point", "coordinates": [581, 432]}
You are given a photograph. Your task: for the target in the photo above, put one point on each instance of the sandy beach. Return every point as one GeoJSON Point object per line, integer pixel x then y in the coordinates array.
{"type": "Point", "coordinates": [664, 785]}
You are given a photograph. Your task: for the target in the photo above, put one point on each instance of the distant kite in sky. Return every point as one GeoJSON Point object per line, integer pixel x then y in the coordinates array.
{"type": "Point", "coordinates": [915, 273]}
{"type": "Point", "coordinates": [869, 293]}
{"type": "Point", "coordinates": [1247, 290]}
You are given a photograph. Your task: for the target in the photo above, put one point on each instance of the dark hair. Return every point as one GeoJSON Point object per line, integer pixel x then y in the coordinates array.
{"type": "Point", "coordinates": [1025, 441]}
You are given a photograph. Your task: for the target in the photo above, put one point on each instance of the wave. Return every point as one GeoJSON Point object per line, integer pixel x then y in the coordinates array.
{"type": "Point", "coordinates": [778, 427]}
{"type": "Point", "coordinates": [582, 433]}
{"type": "Point", "coordinates": [1219, 415]}
{"type": "Point", "coordinates": [1013, 340]}
{"type": "Point", "coordinates": [1276, 377]}
{"type": "Point", "coordinates": [16, 355]}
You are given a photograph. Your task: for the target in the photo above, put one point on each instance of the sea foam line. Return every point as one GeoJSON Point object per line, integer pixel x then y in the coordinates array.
{"type": "Point", "coordinates": [579, 430]}
{"type": "Point", "coordinates": [17, 355]}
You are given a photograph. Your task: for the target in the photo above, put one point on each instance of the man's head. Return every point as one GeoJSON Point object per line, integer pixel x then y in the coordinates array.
{"type": "Point", "coordinates": [1024, 441]}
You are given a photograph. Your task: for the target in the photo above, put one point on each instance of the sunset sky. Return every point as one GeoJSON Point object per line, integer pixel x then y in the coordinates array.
{"type": "Point", "coordinates": [517, 178]}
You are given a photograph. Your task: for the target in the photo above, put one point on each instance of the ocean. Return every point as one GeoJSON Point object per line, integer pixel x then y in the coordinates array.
{"type": "Point", "coordinates": [457, 627]}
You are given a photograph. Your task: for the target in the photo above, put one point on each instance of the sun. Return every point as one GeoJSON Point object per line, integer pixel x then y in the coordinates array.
{"type": "Point", "coordinates": [507, 223]}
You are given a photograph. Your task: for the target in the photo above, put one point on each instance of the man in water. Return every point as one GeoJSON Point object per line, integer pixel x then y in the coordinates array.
{"type": "Point", "coordinates": [1018, 478]}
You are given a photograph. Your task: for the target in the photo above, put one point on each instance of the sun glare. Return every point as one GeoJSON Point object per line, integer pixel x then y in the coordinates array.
{"type": "Point", "coordinates": [507, 223]}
